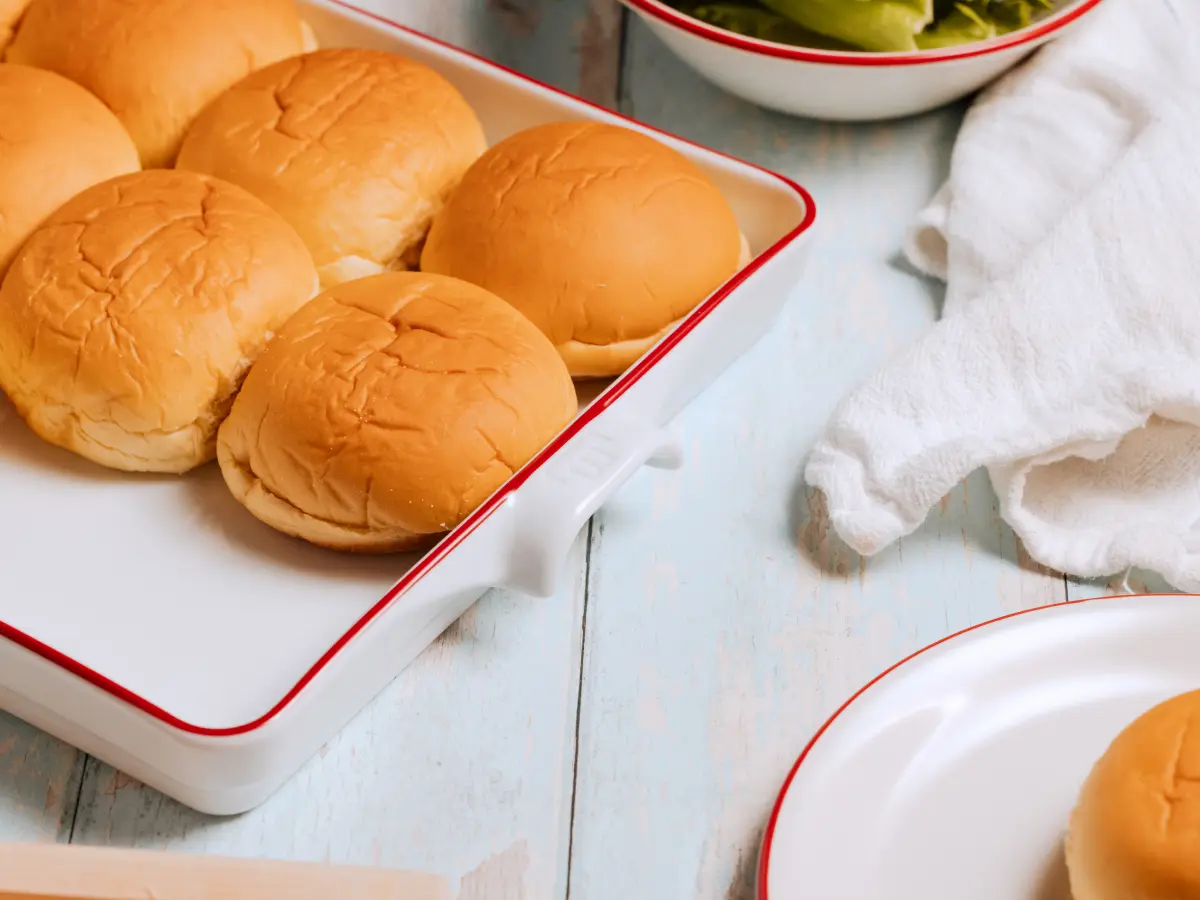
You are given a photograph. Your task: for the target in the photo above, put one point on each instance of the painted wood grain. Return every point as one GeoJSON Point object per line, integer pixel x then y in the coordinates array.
{"type": "Point", "coordinates": [39, 783]}
{"type": "Point", "coordinates": [464, 765]}
{"type": "Point", "coordinates": [725, 620]}
{"type": "Point", "coordinates": [1136, 581]}
{"type": "Point", "coordinates": [572, 44]}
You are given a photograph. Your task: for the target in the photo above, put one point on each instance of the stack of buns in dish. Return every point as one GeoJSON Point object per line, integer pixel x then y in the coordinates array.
{"type": "Point", "coordinates": [1135, 831]}
{"type": "Point", "coordinates": [154, 318]}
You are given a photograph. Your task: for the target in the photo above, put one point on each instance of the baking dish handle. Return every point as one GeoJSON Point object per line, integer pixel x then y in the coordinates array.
{"type": "Point", "coordinates": [552, 507]}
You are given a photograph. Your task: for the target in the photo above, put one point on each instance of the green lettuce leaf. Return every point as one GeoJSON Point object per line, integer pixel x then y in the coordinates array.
{"type": "Point", "coordinates": [880, 25]}
{"type": "Point", "coordinates": [872, 25]}
{"type": "Point", "coordinates": [763, 24]}
{"type": "Point", "coordinates": [965, 21]}
{"type": "Point", "coordinates": [961, 26]}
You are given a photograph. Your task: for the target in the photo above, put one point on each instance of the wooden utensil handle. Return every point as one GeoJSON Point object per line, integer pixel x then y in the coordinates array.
{"type": "Point", "coordinates": [72, 872]}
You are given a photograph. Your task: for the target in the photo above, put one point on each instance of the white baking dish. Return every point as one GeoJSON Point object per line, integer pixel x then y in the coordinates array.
{"type": "Point", "coordinates": [154, 624]}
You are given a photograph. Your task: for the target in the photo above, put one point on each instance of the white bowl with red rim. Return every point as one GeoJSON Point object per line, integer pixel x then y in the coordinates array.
{"type": "Point", "coordinates": [847, 86]}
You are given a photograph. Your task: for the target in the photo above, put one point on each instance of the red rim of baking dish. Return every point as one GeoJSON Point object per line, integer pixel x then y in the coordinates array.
{"type": "Point", "coordinates": [658, 10]}
{"type": "Point", "coordinates": [764, 855]}
{"type": "Point", "coordinates": [423, 566]}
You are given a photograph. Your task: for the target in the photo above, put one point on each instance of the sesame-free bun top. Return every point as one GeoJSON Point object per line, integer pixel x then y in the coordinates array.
{"type": "Point", "coordinates": [388, 409]}
{"type": "Point", "coordinates": [55, 140]}
{"type": "Point", "coordinates": [10, 14]}
{"type": "Point", "coordinates": [131, 315]}
{"type": "Point", "coordinates": [156, 63]}
{"type": "Point", "coordinates": [603, 236]}
{"type": "Point", "coordinates": [1135, 832]}
{"type": "Point", "coordinates": [356, 148]}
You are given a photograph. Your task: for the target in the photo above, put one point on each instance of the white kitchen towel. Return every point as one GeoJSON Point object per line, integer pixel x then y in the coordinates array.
{"type": "Point", "coordinates": [1068, 358]}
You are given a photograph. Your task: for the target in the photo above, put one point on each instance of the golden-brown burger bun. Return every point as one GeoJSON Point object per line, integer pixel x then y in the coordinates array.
{"type": "Point", "coordinates": [131, 315]}
{"type": "Point", "coordinates": [157, 63]}
{"type": "Point", "coordinates": [388, 409]}
{"type": "Point", "coordinates": [356, 148]}
{"type": "Point", "coordinates": [10, 14]}
{"type": "Point", "coordinates": [1135, 832]}
{"type": "Point", "coordinates": [601, 235]}
{"type": "Point", "coordinates": [55, 140]}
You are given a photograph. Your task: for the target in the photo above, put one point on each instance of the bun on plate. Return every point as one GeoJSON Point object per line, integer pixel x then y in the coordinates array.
{"type": "Point", "coordinates": [131, 315]}
{"type": "Point", "coordinates": [10, 14]}
{"type": "Point", "coordinates": [356, 148]}
{"type": "Point", "coordinates": [55, 140]}
{"type": "Point", "coordinates": [604, 237]}
{"type": "Point", "coordinates": [388, 409]}
{"type": "Point", "coordinates": [157, 63]}
{"type": "Point", "coordinates": [1135, 832]}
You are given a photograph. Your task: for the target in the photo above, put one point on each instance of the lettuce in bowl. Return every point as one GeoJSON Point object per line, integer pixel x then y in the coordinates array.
{"type": "Point", "coordinates": [868, 25]}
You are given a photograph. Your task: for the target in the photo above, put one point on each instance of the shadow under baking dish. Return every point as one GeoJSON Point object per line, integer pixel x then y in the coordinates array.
{"type": "Point", "coordinates": [154, 623]}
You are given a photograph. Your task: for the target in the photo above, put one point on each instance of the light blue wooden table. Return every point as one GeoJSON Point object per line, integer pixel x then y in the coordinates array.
{"type": "Point", "coordinates": [625, 739]}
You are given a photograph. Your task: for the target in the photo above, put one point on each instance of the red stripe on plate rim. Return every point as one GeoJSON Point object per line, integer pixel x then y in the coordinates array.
{"type": "Point", "coordinates": [656, 9]}
{"type": "Point", "coordinates": [764, 855]}
{"type": "Point", "coordinates": [484, 512]}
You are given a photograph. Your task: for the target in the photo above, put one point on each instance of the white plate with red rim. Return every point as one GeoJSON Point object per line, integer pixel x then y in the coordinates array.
{"type": "Point", "coordinates": [952, 775]}
{"type": "Point", "coordinates": [847, 86]}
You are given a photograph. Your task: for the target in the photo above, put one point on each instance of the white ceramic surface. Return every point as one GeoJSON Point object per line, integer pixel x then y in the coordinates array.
{"type": "Point", "coordinates": [954, 773]}
{"type": "Point", "coordinates": [841, 86]}
{"type": "Point", "coordinates": [154, 624]}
